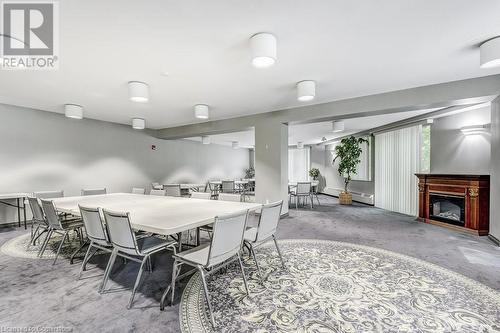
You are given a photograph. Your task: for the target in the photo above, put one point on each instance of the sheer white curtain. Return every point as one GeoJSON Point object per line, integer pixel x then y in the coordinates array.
{"type": "Point", "coordinates": [298, 164]}
{"type": "Point", "coordinates": [397, 159]}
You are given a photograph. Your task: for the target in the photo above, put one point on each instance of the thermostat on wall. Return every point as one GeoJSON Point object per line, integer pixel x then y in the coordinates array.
{"type": "Point", "coordinates": [153, 147]}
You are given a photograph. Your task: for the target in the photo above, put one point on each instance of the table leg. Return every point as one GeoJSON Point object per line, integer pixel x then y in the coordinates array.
{"type": "Point", "coordinates": [18, 212]}
{"type": "Point", "coordinates": [24, 213]}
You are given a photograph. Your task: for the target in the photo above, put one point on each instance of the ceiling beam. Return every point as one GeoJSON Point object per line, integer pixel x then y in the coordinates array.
{"type": "Point", "coordinates": [456, 93]}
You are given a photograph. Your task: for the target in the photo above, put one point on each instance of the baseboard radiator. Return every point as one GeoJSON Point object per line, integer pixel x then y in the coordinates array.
{"type": "Point", "coordinates": [356, 196]}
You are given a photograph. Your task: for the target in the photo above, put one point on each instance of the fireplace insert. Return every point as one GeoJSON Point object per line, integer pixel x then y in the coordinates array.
{"type": "Point", "coordinates": [447, 208]}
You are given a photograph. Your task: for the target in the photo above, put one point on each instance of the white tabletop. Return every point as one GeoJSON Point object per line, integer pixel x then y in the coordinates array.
{"type": "Point", "coordinates": [313, 183]}
{"type": "Point", "coordinates": [160, 215]}
{"type": "Point", "coordinates": [237, 182]}
{"type": "Point", "coordinates": [17, 195]}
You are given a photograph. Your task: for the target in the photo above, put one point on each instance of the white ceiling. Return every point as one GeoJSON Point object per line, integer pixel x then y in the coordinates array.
{"type": "Point", "coordinates": [351, 48]}
{"type": "Point", "coordinates": [314, 132]}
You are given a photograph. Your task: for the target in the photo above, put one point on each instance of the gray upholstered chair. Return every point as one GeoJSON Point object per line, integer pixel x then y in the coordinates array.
{"type": "Point", "coordinates": [172, 190]}
{"type": "Point", "coordinates": [230, 197]}
{"type": "Point", "coordinates": [265, 230]}
{"type": "Point", "coordinates": [228, 186]}
{"type": "Point", "coordinates": [93, 191]}
{"type": "Point", "coordinates": [201, 195]}
{"type": "Point", "coordinates": [214, 189]}
{"type": "Point", "coordinates": [127, 245]}
{"type": "Point", "coordinates": [224, 248]}
{"type": "Point", "coordinates": [160, 193]}
{"type": "Point", "coordinates": [57, 225]}
{"type": "Point", "coordinates": [302, 190]}
{"type": "Point", "coordinates": [97, 233]}
{"type": "Point", "coordinates": [138, 190]}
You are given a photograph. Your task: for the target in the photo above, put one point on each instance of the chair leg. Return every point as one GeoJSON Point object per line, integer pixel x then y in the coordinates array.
{"type": "Point", "coordinates": [37, 236]}
{"type": "Point", "coordinates": [296, 202]}
{"type": "Point", "coordinates": [73, 255]}
{"type": "Point", "coordinates": [84, 263]}
{"type": "Point", "coordinates": [45, 242]}
{"type": "Point", "coordinates": [256, 263]}
{"type": "Point", "coordinates": [311, 200]}
{"type": "Point", "coordinates": [243, 273]}
{"type": "Point", "coordinates": [171, 286]}
{"type": "Point", "coordinates": [137, 281]}
{"type": "Point", "coordinates": [107, 272]}
{"type": "Point", "coordinates": [60, 247]}
{"type": "Point", "coordinates": [33, 234]}
{"type": "Point", "coordinates": [207, 296]}
{"type": "Point", "coordinates": [279, 252]}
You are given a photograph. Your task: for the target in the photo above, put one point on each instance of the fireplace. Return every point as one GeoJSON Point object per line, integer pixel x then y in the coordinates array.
{"type": "Point", "coordinates": [455, 201]}
{"type": "Point", "coordinates": [447, 208]}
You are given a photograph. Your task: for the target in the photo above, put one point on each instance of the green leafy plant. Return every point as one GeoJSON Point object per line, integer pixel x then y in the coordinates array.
{"type": "Point", "coordinates": [348, 152]}
{"type": "Point", "coordinates": [249, 173]}
{"type": "Point", "coordinates": [314, 173]}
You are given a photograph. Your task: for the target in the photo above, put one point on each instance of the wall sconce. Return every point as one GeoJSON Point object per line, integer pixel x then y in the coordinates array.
{"type": "Point", "coordinates": [474, 130]}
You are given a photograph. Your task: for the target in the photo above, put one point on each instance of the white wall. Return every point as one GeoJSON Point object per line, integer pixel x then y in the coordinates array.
{"type": "Point", "coordinates": [452, 152]}
{"type": "Point", "coordinates": [46, 151]}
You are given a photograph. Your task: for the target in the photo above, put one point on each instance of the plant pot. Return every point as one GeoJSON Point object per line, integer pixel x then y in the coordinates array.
{"type": "Point", "coordinates": [345, 198]}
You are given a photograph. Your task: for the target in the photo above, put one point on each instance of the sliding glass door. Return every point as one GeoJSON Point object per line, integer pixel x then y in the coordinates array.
{"type": "Point", "coordinates": [397, 159]}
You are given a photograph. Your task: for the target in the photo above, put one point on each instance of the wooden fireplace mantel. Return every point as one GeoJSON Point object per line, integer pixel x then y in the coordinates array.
{"type": "Point", "coordinates": [474, 188]}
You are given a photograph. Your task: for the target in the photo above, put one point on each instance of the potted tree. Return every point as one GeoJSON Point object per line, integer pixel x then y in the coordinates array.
{"type": "Point", "coordinates": [348, 153]}
{"type": "Point", "coordinates": [314, 173]}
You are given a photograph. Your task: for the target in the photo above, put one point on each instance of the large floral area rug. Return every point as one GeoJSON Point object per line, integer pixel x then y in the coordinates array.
{"type": "Point", "coordinates": [18, 247]}
{"type": "Point", "coordinates": [340, 287]}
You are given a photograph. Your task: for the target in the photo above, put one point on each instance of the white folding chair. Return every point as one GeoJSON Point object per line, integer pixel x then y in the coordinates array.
{"type": "Point", "coordinates": [156, 186]}
{"type": "Point", "coordinates": [302, 190]}
{"type": "Point", "coordinates": [160, 193]}
{"type": "Point", "coordinates": [172, 190]}
{"type": "Point", "coordinates": [266, 229]}
{"type": "Point", "coordinates": [127, 245]}
{"type": "Point", "coordinates": [97, 233]}
{"type": "Point", "coordinates": [228, 186]}
{"type": "Point", "coordinates": [138, 190]}
{"type": "Point", "coordinates": [60, 226]}
{"type": "Point", "coordinates": [93, 191]}
{"type": "Point", "coordinates": [39, 224]}
{"type": "Point", "coordinates": [224, 248]}
{"type": "Point", "coordinates": [201, 195]}
{"type": "Point", "coordinates": [230, 197]}
{"type": "Point", "coordinates": [48, 194]}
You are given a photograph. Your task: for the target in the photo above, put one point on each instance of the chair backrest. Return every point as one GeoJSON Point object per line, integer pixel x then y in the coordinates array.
{"type": "Point", "coordinates": [200, 195]}
{"type": "Point", "coordinates": [172, 190]}
{"type": "Point", "coordinates": [93, 191]}
{"type": "Point", "coordinates": [230, 197]}
{"type": "Point", "coordinates": [51, 214]}
{"type": "Point", "coordinates": [227, 237]}
{"type": "Point", "coordinates": [268, 222]}
{"type": "Point", "coordinates": [138, 190]}
{"type": "Point", "coordinates": [303, 187]}
{"type": "Point", "coordinates": [227, 186]}
{"type": "Point", "coordinates": [156, 186]}
{"type": "Point", "coordinates": [94, 226]}
{"type": "Point", "coordinates": [213, 186]}
{"type": "Point", "coordinates": [36, 209]}
{"type": "Point", "coordinates": [157, 192]}
{"type": "Point", "coordinates": [48, 194]}
{"type": "Point", "coordinates": [120, 232]}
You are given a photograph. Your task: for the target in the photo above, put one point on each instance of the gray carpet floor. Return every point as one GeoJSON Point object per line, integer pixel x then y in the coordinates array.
{"type": "Point", "coordinates": [33, 293]}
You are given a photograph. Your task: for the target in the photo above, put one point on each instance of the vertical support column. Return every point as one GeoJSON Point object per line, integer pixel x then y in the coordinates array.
{"type": "Point", "coordinates": [495, 171]}
{"type": "Point", "coordinates": [271, 163]}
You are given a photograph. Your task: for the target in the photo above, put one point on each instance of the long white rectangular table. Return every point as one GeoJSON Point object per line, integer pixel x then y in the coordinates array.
{"type": "Point", "coordinates": [156, 214]}
{"type": "Point", "coordinates": [20, 198]}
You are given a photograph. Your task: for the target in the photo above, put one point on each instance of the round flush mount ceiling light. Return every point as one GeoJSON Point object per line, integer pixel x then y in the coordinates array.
{"type": "Point", "coordinates": [138, 92]}
{"type": "Point", "coordinates": [306, 90]}
{"type": "Point", "coordinates": [263, 47]}
{"type": "Point", "coordinates": [201, 111]}
{"type": "Point", "coordinates": [205, 140]}
{"type": "Point", "coordinates": [138, 123]}
{"type": "Point", "coordinates": [490, 53]}
{"type": "Point", "coordinates": [300, 145]}
{"type": "Point", "coordinates": [235, 144]}
{"type": "Point", "coordinates": [73, 111]}
{"type": "Point", "coordinates": [338, 126]}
